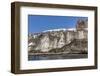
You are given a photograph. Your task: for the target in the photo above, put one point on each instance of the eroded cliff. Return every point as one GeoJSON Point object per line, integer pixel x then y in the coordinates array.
{"type": "Point", "coordinates": [60, 40]}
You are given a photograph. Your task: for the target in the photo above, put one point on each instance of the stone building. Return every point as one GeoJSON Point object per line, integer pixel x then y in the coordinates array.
{"type": "Point", "coordinates": [81, 25]}
{"type": "Point", "coordinates": [82, 29]}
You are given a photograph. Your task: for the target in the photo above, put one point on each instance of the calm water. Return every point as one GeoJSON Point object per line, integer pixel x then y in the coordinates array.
{"type": "Point", "coordinates": [52, 57]}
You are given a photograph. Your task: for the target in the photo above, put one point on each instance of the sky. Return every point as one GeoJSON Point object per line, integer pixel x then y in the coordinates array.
{"type": "Point", "coordinates": [39, 23]}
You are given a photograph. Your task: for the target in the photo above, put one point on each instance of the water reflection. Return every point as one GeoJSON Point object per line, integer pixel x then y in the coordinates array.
{"type": "Point", "coordinates": [52, 57]}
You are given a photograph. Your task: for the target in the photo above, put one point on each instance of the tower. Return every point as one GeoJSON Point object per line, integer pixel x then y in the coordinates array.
{"type": "Point", "coordinates": [81, 25]}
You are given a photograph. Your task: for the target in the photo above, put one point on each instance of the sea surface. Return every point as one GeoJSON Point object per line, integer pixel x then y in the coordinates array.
{"type": "Point", "coordinates": [56, 56]}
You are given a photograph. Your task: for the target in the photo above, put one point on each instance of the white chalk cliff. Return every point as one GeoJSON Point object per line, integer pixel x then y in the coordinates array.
{"type": "Point", "coordinates": [61, 40]}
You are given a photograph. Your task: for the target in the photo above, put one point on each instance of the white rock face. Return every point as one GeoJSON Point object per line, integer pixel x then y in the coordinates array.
{"type": "Point", "coordinates": [60, 39]}
{"type": "Point", "coordinates": [47, 41]}
{"type": "Point", "coordinates": [44, 44]}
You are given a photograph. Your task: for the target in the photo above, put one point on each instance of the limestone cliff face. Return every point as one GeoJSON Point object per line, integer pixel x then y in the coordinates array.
{"type": "Point", "coordinates": [47, 41]}
{"type": "Point", "coordinates": [60, 40]}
